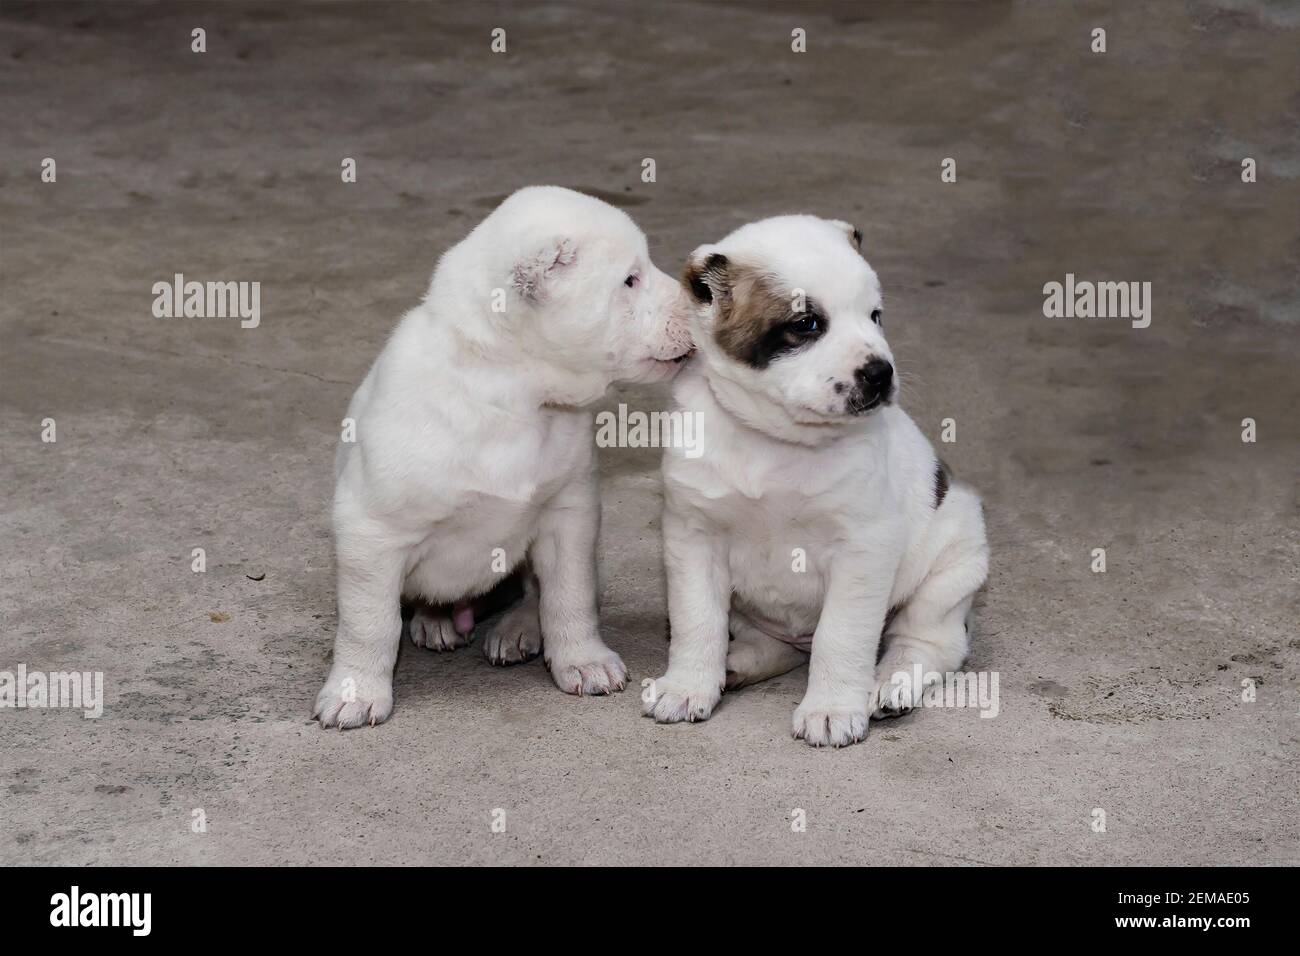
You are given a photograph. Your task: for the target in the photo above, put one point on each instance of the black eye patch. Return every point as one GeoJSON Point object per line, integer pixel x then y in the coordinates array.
{"type": "Point", "coordinates": [796, 333]}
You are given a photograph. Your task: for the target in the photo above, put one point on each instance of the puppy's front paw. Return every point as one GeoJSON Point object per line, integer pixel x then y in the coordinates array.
{"type": "Point", "coordinates": [669, 700]}
{"type": "Point", "coordinates": [349, 700]}
{"type": "Point", "coordinates": [436, 633]}
{"type": "Point", "coordinates": [588, 669]}
{"type": "Point", "coordinates": [516, 637]}
{"type": "Point", "coordinates": [827, 724]}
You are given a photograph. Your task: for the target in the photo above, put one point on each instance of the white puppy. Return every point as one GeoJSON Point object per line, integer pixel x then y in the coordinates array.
{"type": "Point", "coordinates": [473, 451]}
{"type": "Point", "coordinates": [818, 515]}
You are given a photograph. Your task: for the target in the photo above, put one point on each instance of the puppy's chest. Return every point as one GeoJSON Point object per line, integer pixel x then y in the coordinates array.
{"type": "Point", "coordinates": [778, 550]}
{"type": "Point", "coordinates": [780, 524]}
{"type": "Point", "coordinates": [497, 490]}
{"type": "Point", "coordinates": [527, 466]}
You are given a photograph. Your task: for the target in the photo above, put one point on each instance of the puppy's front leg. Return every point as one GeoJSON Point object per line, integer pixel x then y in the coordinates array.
{"type": "Point", "coordinates": [837, 705]}
{"type": "Point", "coordinates": [699, 591]}
{"type": "Point", "coordinates": [564, 558]}
{"type": "Point", "coordinates": [359, 688]}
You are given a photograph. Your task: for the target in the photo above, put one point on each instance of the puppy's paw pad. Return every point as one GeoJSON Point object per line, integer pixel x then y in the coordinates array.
{"type": "Point", "coordinates": [593, 673]}
{"type": "Point", "coordinates": [435, 633]}
{"type": "Point", "coordinates": [353, 702]}
{"type": "Point", "coordinates": [830, 726]}
{"type": "Point", "coordinates": [670, 701]}
{"type": "Point", "coordinates": [516, 638]}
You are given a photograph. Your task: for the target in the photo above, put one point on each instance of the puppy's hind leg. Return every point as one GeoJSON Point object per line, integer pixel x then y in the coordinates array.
{"type": "Point", "coordinates": [754, 655]}
{"type": "Point", "coordinates": [929, 632]}
{"type": "Point", "coordinates": [516, 636]}
{"type": "Point", "coordinates": [918, 641]}
{"type": "Point", "coordinates": [433, 627]}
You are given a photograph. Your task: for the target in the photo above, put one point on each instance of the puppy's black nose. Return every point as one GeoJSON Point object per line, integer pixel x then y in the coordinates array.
{"type": "Point", "coordinates": [875, 377]}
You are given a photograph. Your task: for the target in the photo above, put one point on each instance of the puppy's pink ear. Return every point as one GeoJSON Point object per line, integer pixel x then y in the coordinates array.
{"type": "Point", "coordinates": [705, 275]}
{"type": "Point", "coordinates": [532, 274]}
{"type": "Point", "coordinates": [850, 230]}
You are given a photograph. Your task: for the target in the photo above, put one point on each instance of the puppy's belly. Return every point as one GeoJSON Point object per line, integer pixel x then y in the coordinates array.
{"type": "Point", "coordinates": [780, 602]}
{"type": "Point", "coordinates": [459, 561]}
{"type": "Point", "coordinates": [794, 635]}
{"type": "Point", "coordinates": [440, 583]}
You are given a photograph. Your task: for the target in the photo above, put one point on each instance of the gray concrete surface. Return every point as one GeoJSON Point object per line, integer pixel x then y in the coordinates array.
{"type": "Point", "coordinates": [1119, 691]}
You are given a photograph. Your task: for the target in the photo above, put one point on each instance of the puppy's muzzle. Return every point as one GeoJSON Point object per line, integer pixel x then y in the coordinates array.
{"type": "Point", "coordinates": [873, 385]}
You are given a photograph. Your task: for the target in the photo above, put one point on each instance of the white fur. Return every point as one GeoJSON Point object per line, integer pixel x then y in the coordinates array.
{"type": "Point", "coordinates": [471, 436]}
{"type": "Point", "coordinates": [786, 466]}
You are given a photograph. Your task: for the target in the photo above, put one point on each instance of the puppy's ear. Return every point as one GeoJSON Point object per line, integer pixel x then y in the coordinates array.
{"type": "Point", "coordinates": [705, 276]}
{"type": "Point", "coordinates": [850, 230]}
{"type": "Point", "coordinates": [532, 274]}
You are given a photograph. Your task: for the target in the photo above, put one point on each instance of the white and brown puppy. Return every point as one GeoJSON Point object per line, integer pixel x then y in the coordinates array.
{"type": "Point", "coordinates": [473, 450]}
{"type": "Point", "coordinates": [817, 515]}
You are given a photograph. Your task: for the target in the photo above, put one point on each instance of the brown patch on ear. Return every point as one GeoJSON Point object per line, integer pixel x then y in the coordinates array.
{"type": "Point", "coordinates": [747, 316]}
{"type": "Point", "coordinates": [706, 278]}
{"type": "Point", "coordinates": [851, 231]}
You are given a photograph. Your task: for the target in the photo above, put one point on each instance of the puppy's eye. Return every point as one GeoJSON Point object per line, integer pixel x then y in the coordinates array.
{"type": "Point", "coordinates": [876, 316]}
{"type": "Point", "coordinates": [806, 325]}
{"type": "Point", "coordinates": [630, 281]}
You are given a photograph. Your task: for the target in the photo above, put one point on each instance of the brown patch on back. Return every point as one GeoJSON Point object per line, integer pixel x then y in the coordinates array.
{"type": "Point", "coordinates": [940, 482]}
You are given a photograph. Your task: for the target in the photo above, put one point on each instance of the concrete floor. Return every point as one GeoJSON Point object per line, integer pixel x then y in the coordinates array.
{"type": "Point", "coordinates": [1119, 691]}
